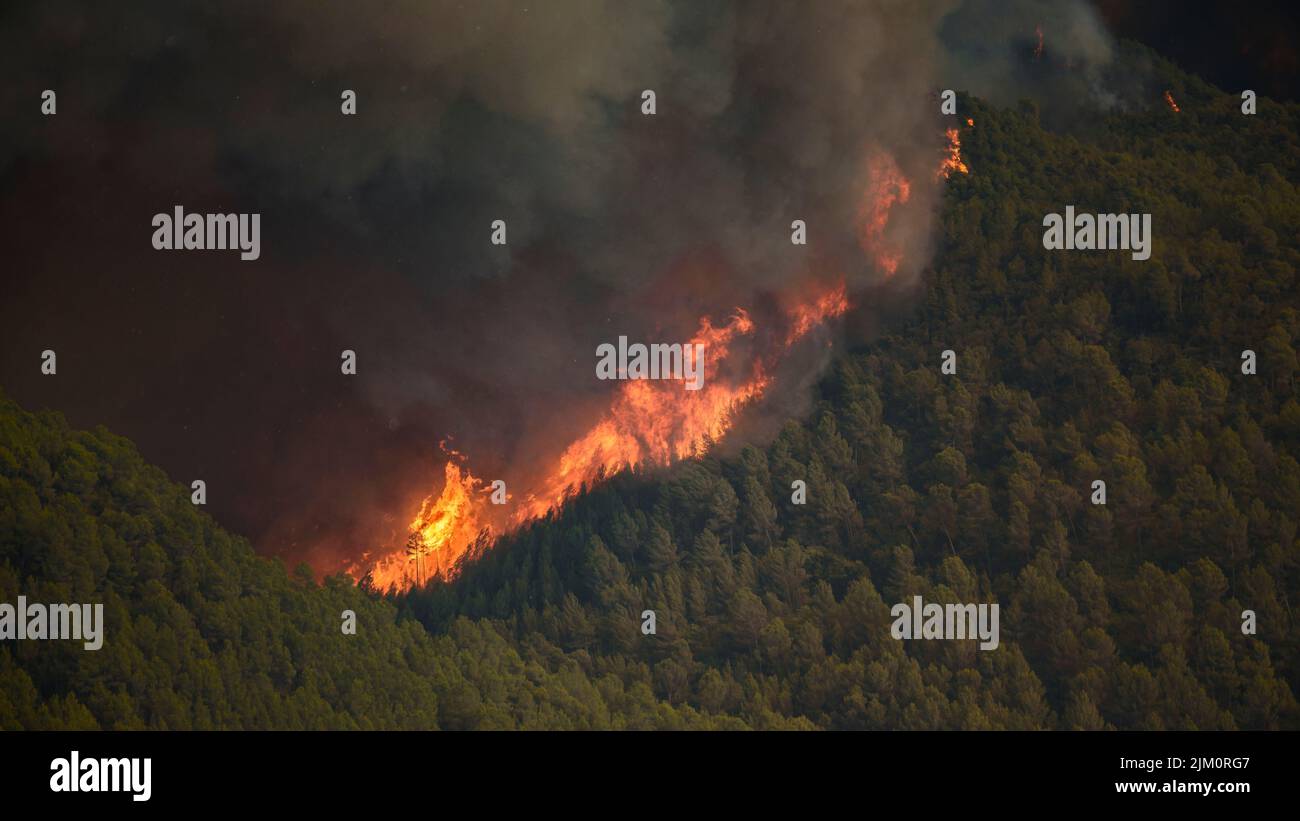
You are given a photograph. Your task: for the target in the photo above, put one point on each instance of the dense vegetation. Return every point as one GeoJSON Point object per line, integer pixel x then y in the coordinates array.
{"type": "Point", "coordinates": [974, 487]}
{"type": "Point", "coordinates": [202, 633]}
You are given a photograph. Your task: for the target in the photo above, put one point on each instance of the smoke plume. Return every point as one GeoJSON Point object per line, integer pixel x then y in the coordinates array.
{"type": "Point", "coordinates": [376, 226]}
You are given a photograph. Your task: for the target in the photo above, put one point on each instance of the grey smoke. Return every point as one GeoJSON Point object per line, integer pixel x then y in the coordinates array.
{"type": "Point", "coordinates": [528, 112]}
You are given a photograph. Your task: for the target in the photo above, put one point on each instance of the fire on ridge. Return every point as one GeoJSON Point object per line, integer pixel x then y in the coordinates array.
{"type": "Point", "coordinates": [648, 423]}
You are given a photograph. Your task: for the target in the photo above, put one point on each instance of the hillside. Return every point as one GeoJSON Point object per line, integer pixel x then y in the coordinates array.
{"type": "Point", "coordinates": [203, 634]}
{"type": "Point", "coordinates": [972, 487]}
{"type": "Point", "coordinates": [976, 487]}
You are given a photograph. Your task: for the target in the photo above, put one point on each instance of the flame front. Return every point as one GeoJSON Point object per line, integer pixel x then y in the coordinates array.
{"type": "Point", "coordinates": [443, 521]}
{"type": "Point", "coordinates": [648, 422]}
{"type": "Point", "coordinates": [442, 531]}
{"type": "Point", "coordinates": [1169, 99]}
{"type": "Point", "coordinates": [655, 422]}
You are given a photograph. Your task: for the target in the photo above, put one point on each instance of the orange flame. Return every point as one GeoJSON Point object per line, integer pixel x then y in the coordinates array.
{"type": "Point", "coordinates": [648, 422]}
{"type": "Point", "coordinates": [1169, 98]}
{"type": "Point", "coordinates": [654, 422]}
{"type": "Point", "coordinates": [809, 315]}
{"type": "Point", "coordinates": [952, 161]}
{"type": "Point", "coordinates": [886, 187]}
{"type": "Point", "coordinates": [439, 534]}
{"type": "Point", "coordinates": [1038, 49]}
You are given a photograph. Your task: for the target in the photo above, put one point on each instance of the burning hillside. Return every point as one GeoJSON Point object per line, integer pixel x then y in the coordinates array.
{"type": "Point", "coordinates": [653, 423]}
{"type": "Point", "coordinates": [648, 423]}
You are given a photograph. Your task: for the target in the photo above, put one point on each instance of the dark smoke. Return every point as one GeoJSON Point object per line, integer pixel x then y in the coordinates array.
{"type": "Point", "coordinates": [375, 227]}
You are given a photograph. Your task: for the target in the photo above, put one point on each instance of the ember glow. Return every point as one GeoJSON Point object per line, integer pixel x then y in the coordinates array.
{"type": "Point", "coordinates": [1169, 100]}
{"type": "Point", "coordinates": [1038, 49]}
{"type": "Point", "coordinates": [648, 423]}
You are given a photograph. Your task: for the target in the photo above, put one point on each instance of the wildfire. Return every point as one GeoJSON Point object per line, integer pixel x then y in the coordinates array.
{"type": "Point", "coordinates": [445, 520]}
{"type": "Point", "coordinates": [648, 422]}
{"type": "Point", "coordinates": [654, 422]}
{"type": "Point", "coordinates": [1169, 99]}
{"type": "Point", "coordinates": [886, 187]}
{"type": "Point", "coordinates": [952, 161]}
{"type": "Point", "coordinates": [807, 316]}
{"type": "Point", "coordinates": [439, 534]}
{"type": "Point", "coordinates": [1038, 49]}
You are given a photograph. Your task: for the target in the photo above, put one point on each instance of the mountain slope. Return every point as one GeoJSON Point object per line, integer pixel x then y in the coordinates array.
{"type": "Point", "coordinates": [977, 487]}
{"type": "Point", "coordinates": [973, 487]}
{"type": "Point", "coordinates": [201, 633]}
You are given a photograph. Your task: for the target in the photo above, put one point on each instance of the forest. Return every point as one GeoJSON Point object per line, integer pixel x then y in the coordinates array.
{"type": "Point", "coordinates": [973, 487]}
